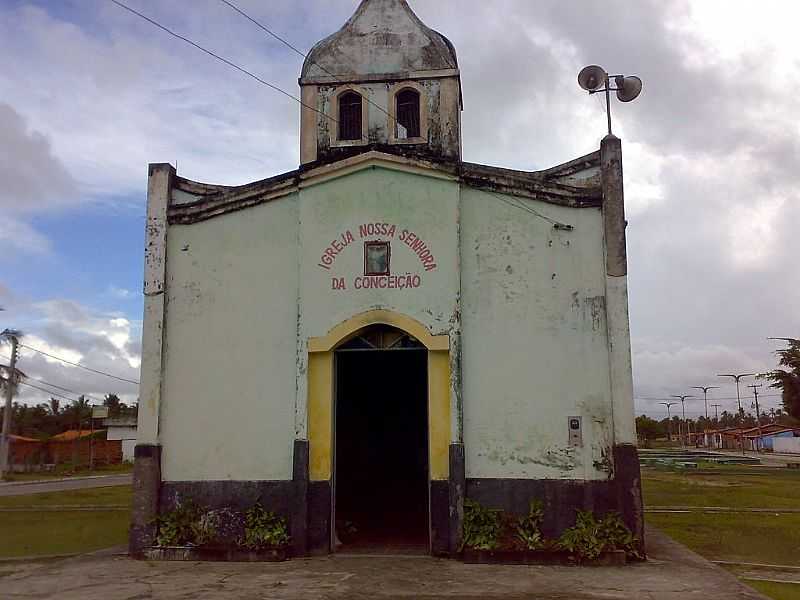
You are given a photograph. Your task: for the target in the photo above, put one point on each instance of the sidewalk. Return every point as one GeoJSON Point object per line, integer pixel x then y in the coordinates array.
{"type": "Point", "coordinates": [672, 573]}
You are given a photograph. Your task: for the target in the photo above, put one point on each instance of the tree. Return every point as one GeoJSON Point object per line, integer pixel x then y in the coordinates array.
{"type": "Point", "coordinates": [114, 405]}
{"type": "Point", "coordinates": [648, 428]}
{"type": "Point", "coordinates": [78, 411]}
{"type": "Point", "coordinates": [788, 379]}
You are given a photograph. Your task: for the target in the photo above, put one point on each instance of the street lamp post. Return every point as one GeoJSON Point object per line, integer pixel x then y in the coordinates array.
{"type": "Point", "coordinates": [705, 389]}
{"type": "Point", "coordinates": [669, 419]}
{"type": "Point", "coordinates": [737, 378]}
{"type": "Point", "coordinates": [683, 411]}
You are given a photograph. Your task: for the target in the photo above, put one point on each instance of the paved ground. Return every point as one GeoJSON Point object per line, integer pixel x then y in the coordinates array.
{"type": "Point", "coordinates": [673, 572]}
{"type": "Point", "coordinates": [21, 488]}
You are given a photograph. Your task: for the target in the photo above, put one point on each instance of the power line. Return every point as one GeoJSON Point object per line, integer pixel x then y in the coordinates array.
{"type": "Point", "coordinates": [58, 387]}
{"type": "Point", "coordinates": [48, 392]}
{"type": "Point", "coordinates": [300, 52]}
{"type": "Point", "coordinates": [220, 58]}
{"type": "Point", "coordinates": [273, 34]}
{"type": "Point", "coordinates": [531, 210]}
{"type": "Point", "coordinates": [74, 364]}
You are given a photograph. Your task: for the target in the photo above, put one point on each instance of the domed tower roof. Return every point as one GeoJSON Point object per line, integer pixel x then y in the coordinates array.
{"type": "Point", "coordinates": [383, 37]}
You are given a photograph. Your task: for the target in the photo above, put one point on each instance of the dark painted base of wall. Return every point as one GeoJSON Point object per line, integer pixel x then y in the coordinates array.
{"type": "Point", "coordinates": [237, 495]}
{"type": "Point", "coordinates": [561, 498]}
{"type": "Point", "coordinates": [307, 504]}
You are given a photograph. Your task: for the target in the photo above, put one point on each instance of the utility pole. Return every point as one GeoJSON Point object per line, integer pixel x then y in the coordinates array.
{"type": "Point", "coordinates": [755, 387]}
{"type": "Point", "coordinates": [683, 411]}
{"type": "Point", "coordinates": [5, 442]}
{"type": "Point", "coordinates": [737, 378]}
{"type": "Point", "coordinates": [669, 419]}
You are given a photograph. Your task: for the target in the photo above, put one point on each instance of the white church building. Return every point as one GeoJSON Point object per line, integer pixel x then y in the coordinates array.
{"type": "Point", "coordinates": [368, 340]}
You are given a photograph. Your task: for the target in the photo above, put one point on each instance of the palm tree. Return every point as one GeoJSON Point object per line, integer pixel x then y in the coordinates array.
{"type": "Point", "coordinates": [788, 380]}
{"type": "Point", "coordinates": [54, 406]}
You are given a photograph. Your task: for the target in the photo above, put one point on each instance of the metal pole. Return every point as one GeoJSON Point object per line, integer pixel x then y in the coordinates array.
{"type": "Point", "coordinates": [716, 422]}
{"type": "Point", "coordinates": [91, 439]}
{"type": "Point", "coordinates": [755, 387]}
{"type": "Point", "coordinates": [737, 378]}
{"type": "Point", "coordinates": [683, 399]}
{"type": "Point", "coordinates": [608, 105]}
{"type": "Point", "coordinates": [5, 443]}
{"type": "Point", "coordinates": [669, 420]}
{"type": "Point", "coordinates": [683, 419]}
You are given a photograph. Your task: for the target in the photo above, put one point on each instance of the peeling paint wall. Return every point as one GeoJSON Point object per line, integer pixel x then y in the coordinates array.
{"type": "Point", "coordinates": [523, 304]}
{"type": "Point", "coordinates": [229, 355]}
{"type": "Point", "coordinates": [534, 341]}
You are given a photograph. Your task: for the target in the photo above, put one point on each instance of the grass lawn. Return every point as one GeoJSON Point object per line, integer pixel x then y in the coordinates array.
{"type": "Point", "coordinates": [768, 538]}
{"type": "Point", "coordinates": [777, 591]}
{"type": "Point", "coordinates": [101, 496]}
{"type": "Point", "coordinates": [723, 485]}
{"type": "Point", "coordinates": [748, 537]}
{"type": "Point", "coordinates": [36, 533]}
{"type": "Point", "coordinates": [62, 532]}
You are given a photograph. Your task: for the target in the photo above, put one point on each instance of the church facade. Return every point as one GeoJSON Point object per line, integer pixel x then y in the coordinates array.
{"type": "Point", "coordinates": [365, 342]}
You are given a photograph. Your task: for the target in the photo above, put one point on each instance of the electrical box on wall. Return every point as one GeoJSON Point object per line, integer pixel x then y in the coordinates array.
{"type": "Point", "coordinates": [575, 431]}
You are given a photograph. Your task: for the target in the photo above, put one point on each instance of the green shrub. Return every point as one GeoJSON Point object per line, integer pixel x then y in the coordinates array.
{"type": "Point", "coordinates": [180, 526]}
{"type": "Point", "coordinates": [590, 537]}
{"type": "Point", "coordinates": [482, 526]}
{"type": "Point", "coordinates": [264, 529]}
{"type": "Point", "coordinates": [528, 528]}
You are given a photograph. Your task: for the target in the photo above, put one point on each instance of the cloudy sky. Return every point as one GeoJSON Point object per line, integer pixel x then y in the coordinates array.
{"type": "Point", "coordinates": [90, 94]}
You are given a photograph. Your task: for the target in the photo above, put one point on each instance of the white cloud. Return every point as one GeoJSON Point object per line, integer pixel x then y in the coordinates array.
{"type": "Point", "coordinates": [712, 146]}
{"type": "Point", "coordinates": [78, 334]}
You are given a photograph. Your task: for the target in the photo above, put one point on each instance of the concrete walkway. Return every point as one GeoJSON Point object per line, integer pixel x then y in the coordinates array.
{"type": "Point", "coordinates": [22, 488]}
{"type": "Point", "coordinates": [673, 572]}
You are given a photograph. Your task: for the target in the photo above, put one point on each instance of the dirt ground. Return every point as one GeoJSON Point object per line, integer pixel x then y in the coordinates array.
{"type": "Point", "coordinates": [671, 572]}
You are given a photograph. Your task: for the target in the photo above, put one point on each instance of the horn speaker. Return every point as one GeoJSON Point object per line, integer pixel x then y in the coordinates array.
{"type": "Point", "coordinates": [628, 88]}
{"type": "Point", "coordinates": [592, 78]}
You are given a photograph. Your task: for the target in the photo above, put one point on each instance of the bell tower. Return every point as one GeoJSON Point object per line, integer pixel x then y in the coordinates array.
{"type": "Point", "coordinates": [384, 82]}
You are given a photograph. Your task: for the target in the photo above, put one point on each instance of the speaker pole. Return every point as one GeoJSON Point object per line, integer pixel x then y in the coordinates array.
{"type": "Point", "coordinates": [608, 104]}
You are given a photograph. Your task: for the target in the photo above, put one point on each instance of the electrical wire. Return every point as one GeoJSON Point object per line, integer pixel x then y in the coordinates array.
{"type": "Point", "coordinates": [532, 211]}
{"type": "Point", "coordinates": [220, 58]}
{"type": "Point", "coordinates": [74, 364]}
{"type": "Point", "coordinates": [50, 393]}
{"type": "Point", "coordinates": [338, 78]}
{"type": "Point", "coordinates": [58, 387]}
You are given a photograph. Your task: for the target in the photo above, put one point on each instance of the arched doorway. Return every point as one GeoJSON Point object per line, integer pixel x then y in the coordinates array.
{"type": "Point", "coordinates": [324, 356]}
{"type": "Point", "coordinates": [381, 471]}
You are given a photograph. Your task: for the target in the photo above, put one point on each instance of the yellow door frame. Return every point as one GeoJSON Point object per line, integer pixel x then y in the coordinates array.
{"type": "Point", "coordinates": [321, 390]}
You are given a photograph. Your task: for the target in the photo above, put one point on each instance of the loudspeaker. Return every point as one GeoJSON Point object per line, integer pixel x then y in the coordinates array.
{"type": "Point", "coordinates": [592, 78]}
{"type": "Point", "coordinates": [628, 88]}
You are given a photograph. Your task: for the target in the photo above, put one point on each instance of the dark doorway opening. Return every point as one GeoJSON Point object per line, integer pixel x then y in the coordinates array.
{"type": "Point", "coordinates": [381, 484]}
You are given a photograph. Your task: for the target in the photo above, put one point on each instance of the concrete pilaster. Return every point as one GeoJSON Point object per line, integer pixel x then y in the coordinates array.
{"type": "Point", "coordinates": [619, 343]}
{"type": "Point", "coordinates": [146, 493]}
{"type": "Point", "coordinates": [457, 492]}
{"type": "Point", "coordinates": [155, 263]}
{"type": "Point", "coordinates": [299, 508]}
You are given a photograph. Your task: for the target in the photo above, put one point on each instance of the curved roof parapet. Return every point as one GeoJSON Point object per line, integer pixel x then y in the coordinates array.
{"type": "Point", "coordinates": [383, 37]}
